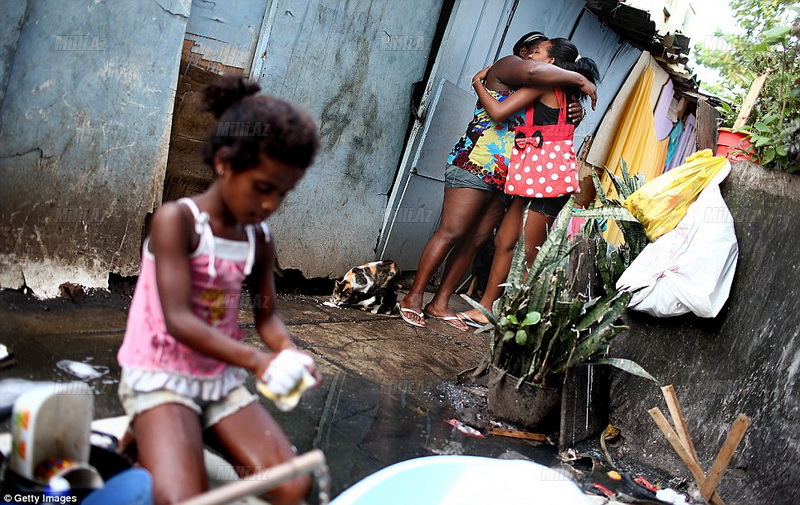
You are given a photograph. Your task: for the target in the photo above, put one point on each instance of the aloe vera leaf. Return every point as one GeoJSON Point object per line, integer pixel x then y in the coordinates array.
{"type": "Point", "coordinates": [587, 347]}
{"type": "Point", "coordinates": [619, 184]}
{"type": "Point", "coordinates": [598, 187]}
{"type": "Point", "coordinates": [627, 365]}
{"type": "Point", "coordinates": [489, 316]}
{"type": "Point", "coordinates": [597, 312]}
{"type": "Point", "coordinates": [607, 212]}
{"type": "Point", "coordinates": [554, 245]}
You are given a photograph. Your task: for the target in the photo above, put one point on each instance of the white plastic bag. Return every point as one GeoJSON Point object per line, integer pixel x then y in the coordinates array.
{"type": "Point", "coordinates": [689, 268]}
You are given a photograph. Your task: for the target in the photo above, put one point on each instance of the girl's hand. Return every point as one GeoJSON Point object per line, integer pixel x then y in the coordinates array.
{"type": "Point", "coordinates": [575, 112]}
{"type": "Point", "coordinates": [480, 76]}
{"type": "Point", "coordinates": [286, 369]}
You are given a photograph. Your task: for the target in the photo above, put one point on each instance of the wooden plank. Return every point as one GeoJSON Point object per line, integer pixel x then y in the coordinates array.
{"type": "Point", "coordinates": [706, 126]}
{"type": "Point", "coordinates": [678, 419]}
{"type": "Point", "coordinates": [683, 453]}
{"type": "Point", "coordinates": [725, 455]}
{"type": "Point", "coordinates": [526, 435]}
{"type": "Point", "coordinates": [264, 481]}
{"type": "Point", "coordinates": [750, 100]}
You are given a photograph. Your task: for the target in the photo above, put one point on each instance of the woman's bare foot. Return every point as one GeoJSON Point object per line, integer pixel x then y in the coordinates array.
{"type": "Point", "coordinates": [410, 309]}
{"type": "Point", "coordinates": [474, 315]}
{"type": "Point", "coordinates": [447, 316]}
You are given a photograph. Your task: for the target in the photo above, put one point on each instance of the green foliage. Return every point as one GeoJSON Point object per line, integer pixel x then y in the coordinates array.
{"type": "Point", "coordinates": [611, 263]}
{"type": "Point", "coordinates": [541, 327]}
{"type": "Point", "coordinates": [768, 44]}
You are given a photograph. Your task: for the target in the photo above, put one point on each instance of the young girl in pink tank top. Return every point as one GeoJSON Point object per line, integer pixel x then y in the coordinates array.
{"type": "Point", "coordinates": [183, 360]}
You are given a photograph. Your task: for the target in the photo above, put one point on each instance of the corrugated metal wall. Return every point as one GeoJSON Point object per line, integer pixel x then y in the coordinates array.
{"type": "Point", "coordinates": [84, 136]}
{"type": "Point", "coordinates": [352, 65]}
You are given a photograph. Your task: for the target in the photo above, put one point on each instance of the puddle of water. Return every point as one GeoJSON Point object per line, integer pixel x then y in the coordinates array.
{"type": "Point", "coordinates": [364, 426]}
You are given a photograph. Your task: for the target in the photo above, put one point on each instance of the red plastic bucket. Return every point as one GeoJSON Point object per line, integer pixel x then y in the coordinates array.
{"type": "Point", "coordinates": [734, 145]}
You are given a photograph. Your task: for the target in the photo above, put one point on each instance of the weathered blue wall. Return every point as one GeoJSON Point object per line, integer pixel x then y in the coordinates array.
{"type": "Point", "coordinates": [84, 136]}
{"type": "Point", "coordinates": [746, 360]}
{"type": "Point", "coordinates": [11, 19]}
{"type": "Point", "coordinates": [352, 65]}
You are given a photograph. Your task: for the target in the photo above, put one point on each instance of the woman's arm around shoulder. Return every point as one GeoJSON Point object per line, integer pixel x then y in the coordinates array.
{"type": "Point", "coordinates": [499, 111]}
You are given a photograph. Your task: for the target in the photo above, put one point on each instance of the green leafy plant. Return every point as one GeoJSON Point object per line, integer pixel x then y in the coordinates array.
{"type": "Point", "coordinates": [768, 44]}
{"type": "Point", "coordinates": [541, 328]}
{"type": "Point", "coordinates": [612, 261]}
{"type": "Point", "coordinates": [727, 115]}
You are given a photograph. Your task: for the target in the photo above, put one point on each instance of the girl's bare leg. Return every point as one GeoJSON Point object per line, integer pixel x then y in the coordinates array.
{"type": "Point", "coordinates": [460, 211]}
{"type": "Point", "coordinates": [252, 441]}
{"type": "Point", "coordinates": [504, 242]}
{"type": "Point", "coordinates": [536, 227]}
{"type": "Point", "coordinates": [170, 446]}
{"type": "Point", "coordinates": [462, 256]}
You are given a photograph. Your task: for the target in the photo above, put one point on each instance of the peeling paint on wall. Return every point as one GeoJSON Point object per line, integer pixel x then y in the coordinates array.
{"type": "Point", "coordinates": [84, 127]}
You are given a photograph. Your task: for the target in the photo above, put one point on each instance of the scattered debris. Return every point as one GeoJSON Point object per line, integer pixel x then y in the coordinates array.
{"type": "Point", "coordinates": [645, 483]}
{"type": "Point", "coordinates": [83, 371]}
{"type": "Point", "coordinates": [527, 435]}
{"type": "Point", "coordinates": [671, 496]}
{"type": "Point", "coordinates": [465, 429]}
{"type": "Point", "coordinates": [6, 357]}
{"type": "Point", "coordinates": [74, 292]}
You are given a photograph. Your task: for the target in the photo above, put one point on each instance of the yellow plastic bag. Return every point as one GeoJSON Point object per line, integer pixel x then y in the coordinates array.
{"type": "Point", "coordinates": [661, 203]}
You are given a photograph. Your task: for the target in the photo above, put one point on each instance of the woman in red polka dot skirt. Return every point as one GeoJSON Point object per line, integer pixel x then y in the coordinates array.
{"type": "Point", "coordinates": [543, 209]}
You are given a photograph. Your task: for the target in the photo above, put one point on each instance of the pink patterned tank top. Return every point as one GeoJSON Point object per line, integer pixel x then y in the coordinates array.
{"type": "Point", "coordinates": [150, 357]}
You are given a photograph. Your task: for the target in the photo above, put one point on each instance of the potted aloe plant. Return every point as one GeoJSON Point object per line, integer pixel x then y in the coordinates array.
{"type": "Point", "coordinates": [542, 328]}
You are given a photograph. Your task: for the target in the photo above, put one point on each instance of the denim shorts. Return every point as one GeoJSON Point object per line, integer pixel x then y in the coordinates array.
{"type": "Point", "coordinates": [550, 207]}
{"type": "Point", "coordinates": [457, 177]}
{"type": "Point", "coordinates": [210, 412]}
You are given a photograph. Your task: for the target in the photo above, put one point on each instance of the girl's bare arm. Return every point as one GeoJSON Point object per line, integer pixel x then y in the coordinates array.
{"type": "Point", "coordinates": [499, 111]}
{"type": "Point", "coordinates": [269, 326]}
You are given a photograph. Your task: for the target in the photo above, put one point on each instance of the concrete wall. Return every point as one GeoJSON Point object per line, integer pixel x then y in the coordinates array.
{"type": "Point", "coordinates": [11, 19]}
{"type": "Point", "coordinates": [746, 360]}
{"type": "Point", "coordinates": [84, 135]}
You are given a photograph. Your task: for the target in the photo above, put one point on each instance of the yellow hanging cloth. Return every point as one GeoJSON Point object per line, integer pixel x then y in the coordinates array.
{"type": "Point", "coordinates": [636, 142]}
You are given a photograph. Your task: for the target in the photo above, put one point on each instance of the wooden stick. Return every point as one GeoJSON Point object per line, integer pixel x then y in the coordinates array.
{"type": "Point", "coordinates": [675, 441]}
{"type": "Point", "coordinates": [261, 482]}
{"type": "Point", "coordinates": [725, 455]}
{"type": "Point", "coordinates": [527, 435]}
{"type": "Point", "coordinates": [750, 100]}
{"type": "Point", "coordinates": [678, 419]}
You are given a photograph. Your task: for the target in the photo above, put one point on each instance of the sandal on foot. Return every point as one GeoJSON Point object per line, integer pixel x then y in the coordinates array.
{"type": "Point", "coordinates": [450, 321]}
{"type": "Point", "coordinates": [469, 321]}
{"type": "Point", "coordinates": [408, 320]}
